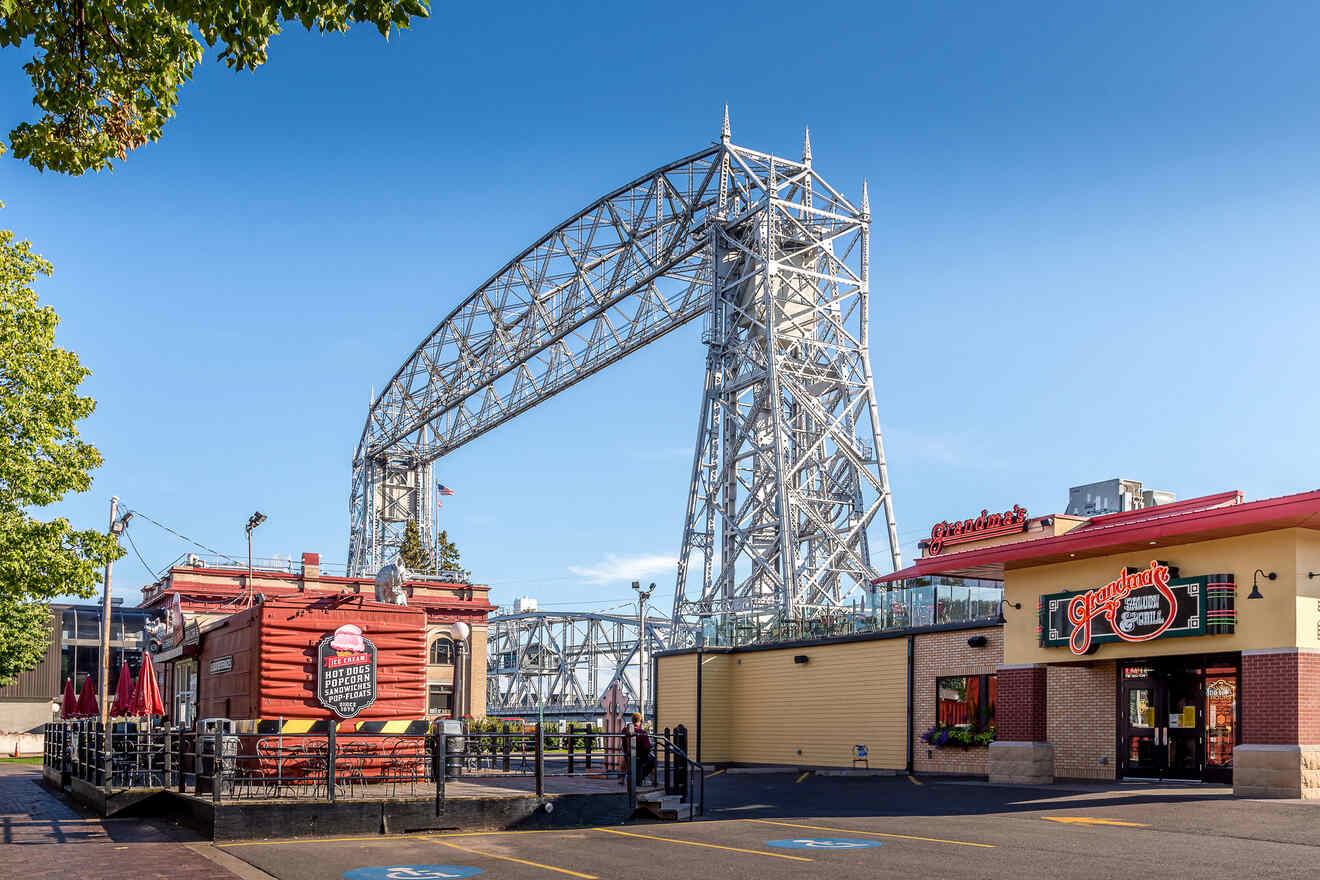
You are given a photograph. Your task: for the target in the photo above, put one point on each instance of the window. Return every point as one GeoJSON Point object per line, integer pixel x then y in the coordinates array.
{"type": "Point", "coordinates": [440, 700]}
{"type": "Point", "coordinates": [442, 651]}
{"type": "Point", "coordinates": [185, 693]}
{"type": "Point", "coordinates": [966, 701]}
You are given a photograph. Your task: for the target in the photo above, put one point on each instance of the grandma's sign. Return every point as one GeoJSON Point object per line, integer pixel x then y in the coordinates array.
{"type": "Point", "coordinates": [346, 671]}
{"type": "Point", "coordinates": [987, 525]}
{"type": "Point", "coordinates": [1140, 605]}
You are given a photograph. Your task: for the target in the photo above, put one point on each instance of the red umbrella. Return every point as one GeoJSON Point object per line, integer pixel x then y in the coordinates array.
{"type": "Point", "coordinates": [69, 704]}
{"type": "Point", "coordinates": [123, 692]}
{"type": "Point", "coordinates": [146, 696]}
{"type": "Point", "coordinates": [87, 705]}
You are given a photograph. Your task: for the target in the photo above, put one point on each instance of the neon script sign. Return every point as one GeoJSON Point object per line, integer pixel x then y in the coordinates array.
{"type": "Point", "coordinates": [987, 525]}
{"type": "Point", "coordinates": [1133, 618]}
{"type": "Point", "coordinates": [1139, 605]}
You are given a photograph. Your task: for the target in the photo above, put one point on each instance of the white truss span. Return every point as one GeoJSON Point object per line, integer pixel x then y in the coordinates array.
{"type": "Point", "coordinates": [789, 469]}
{"type": "Point", "coordinates": [569, 660]}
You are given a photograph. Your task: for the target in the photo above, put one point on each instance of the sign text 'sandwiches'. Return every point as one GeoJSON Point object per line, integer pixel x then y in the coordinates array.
{"type": "Point", "coordinates": [987, 525]}
{"type": "Point", "coordinates": [346, 671]}
{"type": "Point", "coordinates": [1137, 606]}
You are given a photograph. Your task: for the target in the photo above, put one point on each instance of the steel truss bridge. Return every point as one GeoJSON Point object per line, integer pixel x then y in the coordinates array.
{"type": "Point", "coordinates": [568, 660]}
{"type": "Point", "coordinates": [788, 471]}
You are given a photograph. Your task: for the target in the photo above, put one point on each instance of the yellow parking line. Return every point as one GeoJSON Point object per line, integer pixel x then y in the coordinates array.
{"type": "Point", "coordinates": [914, 780]}
{"type": "Point", "coordinates": [290, 840]}
{"type": "Point", "coordinates": [519, 861]}
{"type": "Point", "coordinates": [755, 852]}
{"type": "Point", "coordinates": [802, 777]}
{"type": "Point", "coordinates": [873, 833]}
{"type": "Point", "coordinates": [569, 830]}
{"type": "Point", "coordinates": [716, 773]}
{"type": "Point", "coordinates": [1088, 820]}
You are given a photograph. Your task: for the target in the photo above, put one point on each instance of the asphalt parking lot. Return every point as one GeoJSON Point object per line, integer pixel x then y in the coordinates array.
{"type": "Point", "coordinates": [788, 826]}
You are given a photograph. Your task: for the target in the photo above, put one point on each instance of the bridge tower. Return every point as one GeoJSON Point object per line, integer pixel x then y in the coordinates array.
{"type": "Point", "coordinates": [789, 468]}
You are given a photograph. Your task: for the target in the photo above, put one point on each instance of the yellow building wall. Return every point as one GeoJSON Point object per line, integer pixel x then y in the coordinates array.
{"type": "Point", "coordinates": [1308, 589]}
{"type": "Point", "coordinates": [813, 713]}
{"type": "Point", "coordinates": [759, 707]}
{"type": "Point", "coordinates": [717, 688]}
{"type": "Point", "coordinates": [1285, 617]}
{"type": "Point", "coordinates": [676, 692]}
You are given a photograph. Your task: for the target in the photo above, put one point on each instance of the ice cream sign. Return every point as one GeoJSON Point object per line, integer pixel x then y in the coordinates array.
{"type": "Point", "coordinates": [346, 671]}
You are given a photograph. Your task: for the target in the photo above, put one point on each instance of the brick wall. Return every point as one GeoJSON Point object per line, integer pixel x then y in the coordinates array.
{"type": "Point", "coordinates": [1082, 725]}
{"type": "Point", "coordinates": [1022, 704]}
{"type": "Point", "coordinates": [937, 655]}
{"type": "Point", "coordinates": [1281, 698]}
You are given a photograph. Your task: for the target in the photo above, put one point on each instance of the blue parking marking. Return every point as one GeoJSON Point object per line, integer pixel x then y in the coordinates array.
{"type": "Point", "coordinates": [412, 872]}
{"type": "Point", "coordinates": [820, 843]}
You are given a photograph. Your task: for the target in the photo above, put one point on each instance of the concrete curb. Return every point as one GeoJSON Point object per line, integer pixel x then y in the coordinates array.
{"type": "Point", "coordinates": [739, 771]}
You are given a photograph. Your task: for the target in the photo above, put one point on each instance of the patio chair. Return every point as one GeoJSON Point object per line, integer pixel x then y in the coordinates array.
{"type": "Point", "coordinates": [407, 762]}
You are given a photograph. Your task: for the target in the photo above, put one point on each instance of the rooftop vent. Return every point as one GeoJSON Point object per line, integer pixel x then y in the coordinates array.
{"type": "Point", "coordinates": [1114, 496]}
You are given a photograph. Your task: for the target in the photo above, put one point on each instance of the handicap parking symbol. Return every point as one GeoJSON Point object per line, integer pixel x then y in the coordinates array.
{"type": "Point", "coordinates": [819, 843]}
{"type": "Point", "coordinates": [412, 872]}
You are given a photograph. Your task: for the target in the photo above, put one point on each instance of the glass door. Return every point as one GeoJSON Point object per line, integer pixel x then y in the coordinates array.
{"type": "Point", "coordinates": [1142, 701]}
{"type": "Point", "coordinates": [1221, 727]}
{"type": "Point", "coordinates": [1183, 736]}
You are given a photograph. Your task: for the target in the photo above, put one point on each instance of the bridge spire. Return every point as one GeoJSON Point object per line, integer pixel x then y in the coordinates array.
{"type": "Point", "coordinates": [725, 133]}
{"type": "Point", "coordinates": [806, 145]}
{"type": "Point", "coordinates": [866, 200]}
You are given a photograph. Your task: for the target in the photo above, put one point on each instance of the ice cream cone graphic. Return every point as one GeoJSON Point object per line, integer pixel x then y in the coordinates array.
{"type": "Point", "coordinates": [348, 640]}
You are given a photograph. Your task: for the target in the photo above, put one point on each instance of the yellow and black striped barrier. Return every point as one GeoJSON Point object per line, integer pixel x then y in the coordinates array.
{"type": "Point", "coordinates": [296, 726]}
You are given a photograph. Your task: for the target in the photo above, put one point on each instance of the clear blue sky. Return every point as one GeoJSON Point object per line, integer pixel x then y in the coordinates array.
{"type": "Point", "coordinates": [1094, 254]}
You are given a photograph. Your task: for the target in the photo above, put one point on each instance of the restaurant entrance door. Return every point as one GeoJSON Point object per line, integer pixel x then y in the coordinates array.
{"type": "Point", "coordinates": [1177, 718]}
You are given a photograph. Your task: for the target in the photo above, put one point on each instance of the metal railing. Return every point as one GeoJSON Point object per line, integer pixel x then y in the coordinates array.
{"type": "Point", "coordinates": [281, 564]}
{"type": "Point", "coordinates": [906, 604]}
{"type": "Point", "coordinates": [223, 766]}
{"type": "Point", "coordinates": [683, 776]}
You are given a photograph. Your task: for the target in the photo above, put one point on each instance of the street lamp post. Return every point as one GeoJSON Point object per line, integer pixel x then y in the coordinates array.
{"type": "Point", "coordinates": [254, 520]}
{"type": "Point", "coordinates": [642, 596]}
{"type": "Point", "coordinates": [460, 631]}
{"type": "Point", "coordinates": [117, 526]}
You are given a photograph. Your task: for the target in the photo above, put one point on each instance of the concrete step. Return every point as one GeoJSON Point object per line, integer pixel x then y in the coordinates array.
{"type": "Point", "coordinates": [681, 813]}
{"type": "Point", "coordinates": [665, 806]}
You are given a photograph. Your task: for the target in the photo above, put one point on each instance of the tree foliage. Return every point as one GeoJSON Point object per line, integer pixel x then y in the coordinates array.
{"type": "Point", "coordinates": [42, 459]}
{"type": "Point", "coordinates": [418, 557]}
{"type": "Point", "coordinates": [413, 553]}
{"type": "Point", "coordinates": [107, 73]}
{"type": "Point", "coordinates": [446, 553]}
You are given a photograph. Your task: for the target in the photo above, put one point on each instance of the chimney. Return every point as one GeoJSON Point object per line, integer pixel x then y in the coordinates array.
{"type": "Point", "coordinates": [311, 567]}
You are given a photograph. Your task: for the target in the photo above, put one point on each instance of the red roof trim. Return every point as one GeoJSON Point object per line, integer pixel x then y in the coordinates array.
{"type": "Point", "coordinates": [1287, 511]}
{"type": "Point", "coordinates": [1205, 502]}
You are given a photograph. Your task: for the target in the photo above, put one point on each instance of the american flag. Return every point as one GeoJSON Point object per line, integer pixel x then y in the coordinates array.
{"type": "Point", "coordinates": [445, 490]}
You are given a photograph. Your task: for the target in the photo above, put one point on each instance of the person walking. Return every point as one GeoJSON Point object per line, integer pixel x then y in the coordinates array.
{"type": "Point", "coordinates": [642, 743]}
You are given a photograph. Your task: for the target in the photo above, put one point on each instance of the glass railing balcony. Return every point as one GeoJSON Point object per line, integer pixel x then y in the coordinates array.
{"type": "Point", "coordinates": [907, 604]}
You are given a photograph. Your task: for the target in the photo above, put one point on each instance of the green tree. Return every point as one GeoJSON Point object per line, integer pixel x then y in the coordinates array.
{"type": "Point", "coordinates": [446, 553]}
{"type": "Point", "coordinates": [413, 553]}
{"type": "Point", "coordinates": [107, 73]}
{"type": "Point", "coordinates": [41, 460]}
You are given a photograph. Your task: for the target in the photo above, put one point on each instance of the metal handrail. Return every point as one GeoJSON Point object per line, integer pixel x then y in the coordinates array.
{"type": "Point", "coordinates": [689, 764]}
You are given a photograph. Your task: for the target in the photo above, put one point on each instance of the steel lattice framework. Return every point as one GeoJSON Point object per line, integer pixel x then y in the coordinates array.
{"type": "Point", "coordinates": [568, 659]}
{"type": "Point", "coordinates": [789, 469]}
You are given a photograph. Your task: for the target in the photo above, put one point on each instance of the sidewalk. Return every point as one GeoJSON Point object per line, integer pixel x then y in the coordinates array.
{"type": "Point", "coordinates": [42, 836]}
